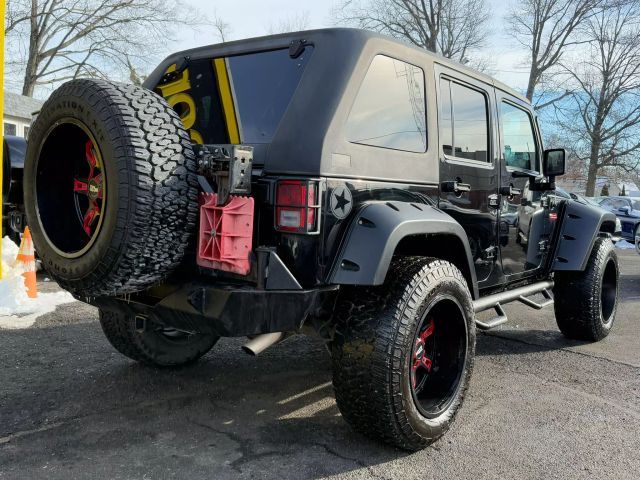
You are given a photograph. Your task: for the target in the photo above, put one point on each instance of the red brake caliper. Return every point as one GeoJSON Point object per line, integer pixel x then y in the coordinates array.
{"type": "Point", "coordinates": [420, 358]}
{"type": "Point", "coordinates": [92, 188]}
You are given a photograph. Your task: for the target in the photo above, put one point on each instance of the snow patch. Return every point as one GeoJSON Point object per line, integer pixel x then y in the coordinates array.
{"type": "Point", "coordinates": [17, 310]}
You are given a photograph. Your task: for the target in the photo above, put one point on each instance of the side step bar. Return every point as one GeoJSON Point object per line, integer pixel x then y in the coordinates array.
{"type": "Point", "coordinates": [520, 294]}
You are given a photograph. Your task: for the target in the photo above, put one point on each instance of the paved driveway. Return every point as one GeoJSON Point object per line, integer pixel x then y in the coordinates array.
{"type": "Point", "coordinates": [539, 407]}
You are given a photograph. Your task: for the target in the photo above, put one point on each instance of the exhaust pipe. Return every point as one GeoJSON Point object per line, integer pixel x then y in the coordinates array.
{"type": "Point", "coordinates": [260, 343]}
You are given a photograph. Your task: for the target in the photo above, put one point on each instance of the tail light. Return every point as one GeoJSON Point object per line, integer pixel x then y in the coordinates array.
{"type": "Point", "coordinates": [297, 206]}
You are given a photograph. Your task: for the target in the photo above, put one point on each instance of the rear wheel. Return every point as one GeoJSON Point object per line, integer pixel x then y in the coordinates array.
{"type": "Point", "coordinates": [403, 352]}
{"type": "Point", "coordinates": [586, 302]}
{"type": "Point", "coordinates": [151, 343]}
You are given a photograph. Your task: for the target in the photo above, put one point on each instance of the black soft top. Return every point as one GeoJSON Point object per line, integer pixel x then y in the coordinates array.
{"type": "Point", "coordinates": [310, 138]}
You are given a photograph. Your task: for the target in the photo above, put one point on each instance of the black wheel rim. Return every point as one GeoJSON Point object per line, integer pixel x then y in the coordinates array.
{"type": "Point", "coordinates": [438, 356]}
{"type": "Point", "coordinates": [608, 292]}
{"type": "Point", "coordinates": [70, 188]}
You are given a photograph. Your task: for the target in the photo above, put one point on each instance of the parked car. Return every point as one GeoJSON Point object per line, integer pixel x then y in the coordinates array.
{"type": "Point", "coordinates": [13, 220]}
{"type": "Point", "coordinates": [627, 209]}
{"type": "Point", "coordinates": [333, 182]}
{"type": "Point", "coordinates": [592, 200]}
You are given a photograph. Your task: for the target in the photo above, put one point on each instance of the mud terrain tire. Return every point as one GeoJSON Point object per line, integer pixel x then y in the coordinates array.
{"type": "Point", "coordinates": [121, 150]}
{"type": "Point", "coordinates": [586, 302]}
{"type": "Point", "coordinates": [153, 346]}
{"type": "Point", "coordinates": [374, 351]}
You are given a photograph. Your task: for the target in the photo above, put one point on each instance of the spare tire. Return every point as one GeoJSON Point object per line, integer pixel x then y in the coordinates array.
{"type": "Point", "coordinates": [110, 187]}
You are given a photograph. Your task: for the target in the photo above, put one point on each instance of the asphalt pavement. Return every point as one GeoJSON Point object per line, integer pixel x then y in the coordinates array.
{"type": "Point", "coordinates": [539, 406]}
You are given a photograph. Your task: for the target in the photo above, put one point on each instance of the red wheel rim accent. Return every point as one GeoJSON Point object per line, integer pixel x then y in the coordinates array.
{"type": "Point", "coordinates": [90, 187]}
{"type": "Point", "coordinates": [422, 356]}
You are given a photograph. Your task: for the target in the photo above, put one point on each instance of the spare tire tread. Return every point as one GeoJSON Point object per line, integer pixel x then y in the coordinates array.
{"type": "Point", "coordinates": [157, 207]}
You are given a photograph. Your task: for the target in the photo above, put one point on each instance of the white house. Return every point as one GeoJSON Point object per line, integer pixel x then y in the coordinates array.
{"type": "Point", "coordinates": [17, 113]}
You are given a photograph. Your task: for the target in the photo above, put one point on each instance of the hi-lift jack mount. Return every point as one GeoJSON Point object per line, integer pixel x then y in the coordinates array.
{"type": "Point", "coordinates": [229, 166]}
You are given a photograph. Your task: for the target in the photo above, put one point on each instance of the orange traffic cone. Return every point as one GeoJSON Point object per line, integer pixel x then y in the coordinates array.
{"type": "Point", "coordinates": [26, 257]}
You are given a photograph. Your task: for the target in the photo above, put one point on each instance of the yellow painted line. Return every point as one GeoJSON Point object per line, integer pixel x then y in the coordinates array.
{"type": "Point", "coordinates": [226, 98]}
{"type": "Point", "coordinates": [2, 9]}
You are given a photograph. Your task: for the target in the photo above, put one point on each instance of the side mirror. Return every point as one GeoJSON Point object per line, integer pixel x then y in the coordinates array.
{"type": "Point", "coordinates": [626, 210]}
{"type": "Point", "coordinates": [553, 162]}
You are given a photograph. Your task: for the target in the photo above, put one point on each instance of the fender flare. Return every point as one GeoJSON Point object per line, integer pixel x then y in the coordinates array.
{"type": "Point", "coordinates": [581, 225]}
{"type": "Point", "coordinates": [375, 232]}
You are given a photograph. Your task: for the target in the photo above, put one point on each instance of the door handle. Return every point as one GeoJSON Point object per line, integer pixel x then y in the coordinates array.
{"type": "Point", "coordinates": [455, 187]}
{"type": "Point", "coordinates": [510, 191]}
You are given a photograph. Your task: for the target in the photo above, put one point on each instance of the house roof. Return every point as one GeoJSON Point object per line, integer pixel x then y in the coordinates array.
{"type": "Point", "coordinates": [20, 106]}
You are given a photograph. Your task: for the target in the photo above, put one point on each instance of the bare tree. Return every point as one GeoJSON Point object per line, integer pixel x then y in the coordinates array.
{"type": "Point", "coordinates": [292, 23]}
{"type": "Point", "coordinates": [546, 28]}
{"type": "Point", "coordinates": [222, 28]}
{"type": "Point", "coordinates": [454, 28]}
{"type": "Point", "coordinates": [57, 40]}
{"type": "Point", "coordinates": [604, 117]}
{"type": "Point", "coordinates": [463, 28]}
{"type": "Point", "coordinates": [134, 76]}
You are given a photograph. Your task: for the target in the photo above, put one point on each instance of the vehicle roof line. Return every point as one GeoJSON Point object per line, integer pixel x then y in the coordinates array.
{"type": "Point", "coordinates": [367, 34]}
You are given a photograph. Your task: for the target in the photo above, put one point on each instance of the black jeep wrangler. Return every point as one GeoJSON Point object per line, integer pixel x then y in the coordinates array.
{"type": "Point", "coordinates": [333, 182]}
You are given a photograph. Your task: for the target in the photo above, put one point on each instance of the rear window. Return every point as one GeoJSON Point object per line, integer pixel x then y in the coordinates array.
{"type": "Point", "coordinates": [237, 99]}
{"type": "Point", "coordinates": [389, 110]}
{"type": "Point", "coordinates": [263, 84]}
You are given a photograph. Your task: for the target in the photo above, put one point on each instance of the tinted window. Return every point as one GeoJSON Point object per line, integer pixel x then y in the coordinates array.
{"type": "Point", "coordinates": [470, 126]}
{"type": "Point", "coordinates": [253, 89]}
{"type": "Point", "coordinates": [389, 110]}
{"type": "Point", "coordinates": [446, 120]}
{"type": "Point", "coordinates": [518, 139]}
{"type": "Point", "coordinates": [263, 84]}
{"type": "Point", "coordinates": [9, 129]}
{"type": "Point", "coordinates": [464, 125]}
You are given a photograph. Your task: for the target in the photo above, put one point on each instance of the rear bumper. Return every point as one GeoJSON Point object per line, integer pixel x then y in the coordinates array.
{"type": "Point", "coordinates": [227, 311]}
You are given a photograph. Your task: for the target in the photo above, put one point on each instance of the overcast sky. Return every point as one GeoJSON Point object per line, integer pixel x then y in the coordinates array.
{"type": "Point", "coordinates": [251, 18]}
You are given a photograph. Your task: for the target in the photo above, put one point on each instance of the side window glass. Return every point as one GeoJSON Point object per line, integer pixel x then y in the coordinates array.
{"type": "Point", "coordinates": [519, 142]}
{"type": "Point", "coordinates": [464, 125]}
{"type": "Point", "coordinates": [446, 119]}
{"type": "Point", "coordinates": [389, 110]}
{"type": "Point", "coordinates": [470, 125]}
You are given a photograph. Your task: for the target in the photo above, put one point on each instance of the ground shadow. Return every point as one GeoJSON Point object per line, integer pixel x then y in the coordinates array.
{"type": "Point", "coordinates": [70, 396]}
